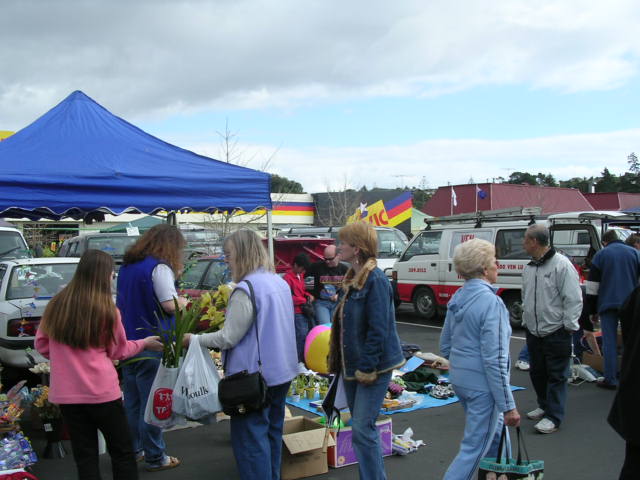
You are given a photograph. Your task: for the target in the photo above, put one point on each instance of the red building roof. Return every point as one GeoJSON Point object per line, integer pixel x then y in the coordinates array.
{"type": "Point", "coordinates": [494, 196]}
{"type": "Point", "coordinates": [613, 200]}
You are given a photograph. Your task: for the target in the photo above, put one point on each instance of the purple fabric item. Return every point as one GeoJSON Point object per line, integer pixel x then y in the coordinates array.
{"type": "Point", "coordinates": [275, 328]}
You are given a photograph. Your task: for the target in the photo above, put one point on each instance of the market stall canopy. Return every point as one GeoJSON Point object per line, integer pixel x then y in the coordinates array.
{"type": "Point", "coordinates": [79, 160]}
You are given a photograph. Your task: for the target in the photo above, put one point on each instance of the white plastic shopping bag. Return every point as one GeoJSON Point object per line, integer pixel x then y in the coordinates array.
{"type": "Point", "coordinates": [159, 409]}
{"type": "Point", "coordinates": [196, 391]}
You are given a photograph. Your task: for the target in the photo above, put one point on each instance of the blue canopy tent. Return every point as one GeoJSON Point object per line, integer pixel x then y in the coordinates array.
{"type": "Point", "coordinates": [79, 160]}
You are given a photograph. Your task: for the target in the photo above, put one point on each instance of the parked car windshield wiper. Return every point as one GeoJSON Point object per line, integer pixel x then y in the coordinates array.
{"type": "Point", "coordinates": [10, 250]}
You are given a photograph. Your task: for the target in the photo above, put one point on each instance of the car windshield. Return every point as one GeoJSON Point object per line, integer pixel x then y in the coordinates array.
{"type": "Point", "coordinates": [197, 236]}
{"type": "Point", "coordinates": [41, 280]}
{"type": "Point", "coordinates": [114, 246]}
{"type": "Point", "coordinates": [12, 246]}
{"type": "Point", "coordinates": [390, 244]}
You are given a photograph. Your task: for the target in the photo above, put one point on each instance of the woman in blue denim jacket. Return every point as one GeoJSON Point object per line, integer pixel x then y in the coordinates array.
{"type": "Point", "coordinates": [365, 347]}
{"type": "Point", "coordinates": [475, 340]}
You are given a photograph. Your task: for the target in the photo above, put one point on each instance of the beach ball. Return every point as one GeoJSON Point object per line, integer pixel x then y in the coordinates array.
{"type": "Point", "coordinates": [316, 348]}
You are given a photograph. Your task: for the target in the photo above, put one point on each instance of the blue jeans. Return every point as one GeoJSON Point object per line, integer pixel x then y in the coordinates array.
{"type": "Point", "coordinates": [137, 380]}
{"type": "Point", "coordinates": [303, 325]}
{"type": "Point", "coordinates": [364, 404]}
{"type": "Point", "coordinates": [609, 325]}
{"type": "Point", "coordinates": [324, 310]}
{"type": "Point", "coordinates": [482, 429]}
{"type": "Point", "coordinates": [550, 358]}
{"type": "Point", "coordinates": [523, 356]}
{"type": "Point", "coordinates": [256, 438]}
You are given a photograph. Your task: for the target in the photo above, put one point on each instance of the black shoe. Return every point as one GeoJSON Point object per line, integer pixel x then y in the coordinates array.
{"type": "Point", "coordinates": [606, 385]}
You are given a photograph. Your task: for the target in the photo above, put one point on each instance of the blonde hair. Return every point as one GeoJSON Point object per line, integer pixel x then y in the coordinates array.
{"type": "Point", "coordinates": [470, 258]}
{"type": "Point", "coordinates": [249, 253]}
{"type": "Point", "coordinates": [83, 314]}
{"type": "Point", "coordinates": [363, 236]}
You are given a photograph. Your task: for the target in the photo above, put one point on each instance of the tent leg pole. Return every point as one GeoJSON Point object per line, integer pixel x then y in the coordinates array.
{"type": "Point", "coordinates": [270, 236]}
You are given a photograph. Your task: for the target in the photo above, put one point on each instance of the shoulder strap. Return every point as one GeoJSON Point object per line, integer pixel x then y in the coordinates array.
{"type": "Point", "coordinates": [255, 320]}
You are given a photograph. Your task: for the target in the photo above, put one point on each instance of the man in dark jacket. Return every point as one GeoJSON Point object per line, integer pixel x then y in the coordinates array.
{"type": "Point", "coordinates": [327, 281]}
{"type": "Point", "coordinates": [613, 276]}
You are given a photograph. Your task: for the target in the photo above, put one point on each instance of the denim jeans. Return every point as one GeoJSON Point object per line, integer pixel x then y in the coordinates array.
{"type": "Point", "coordinates": [137, 380]}
{"type": "Point", "coordinates": [482, 429]}
{"type": "Point", "coordinates": [364, 404]}
{"type": "Point", "coordinates": [324, 310]}
{"type": "Point", "coordinates": [256, 438]}
{"type": "Point", "coordinates": [609, 325]}
{"type": "Point", "coordinates": [523, 356]}
{"type": "Point", "coordinates": [303, 325]}
{"type": "Point", "coordinates": [550, 358]}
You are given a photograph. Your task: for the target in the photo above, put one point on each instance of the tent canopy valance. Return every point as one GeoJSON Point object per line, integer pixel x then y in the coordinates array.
{"type": "Point", "coordinates": [79, 160]}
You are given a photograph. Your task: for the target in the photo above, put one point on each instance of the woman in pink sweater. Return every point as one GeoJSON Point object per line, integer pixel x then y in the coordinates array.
{"type": "Point", "coordinates": [81, 333]}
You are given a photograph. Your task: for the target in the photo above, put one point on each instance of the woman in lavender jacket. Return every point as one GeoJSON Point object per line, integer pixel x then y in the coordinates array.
{"type": "Point", "coordinates": [256, 437]}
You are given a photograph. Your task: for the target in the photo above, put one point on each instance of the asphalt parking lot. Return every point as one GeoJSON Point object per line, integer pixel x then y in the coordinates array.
{"type": "Point", "coordinates": [584, 448]}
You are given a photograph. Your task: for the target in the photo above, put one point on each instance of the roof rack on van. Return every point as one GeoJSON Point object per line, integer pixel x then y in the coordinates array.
{"type": "Point", "coordinates": [479, 217]}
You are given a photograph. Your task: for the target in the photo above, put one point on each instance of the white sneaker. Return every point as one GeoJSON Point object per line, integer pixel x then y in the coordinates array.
{"type": "Point", "coordinates": [545, 426]}
{"type": "Point", "coordinates": [536, 414]}
{"type": "Point", "coordinates": [302, 368]}
{"type": "Point", "coordinates": [522, 365]}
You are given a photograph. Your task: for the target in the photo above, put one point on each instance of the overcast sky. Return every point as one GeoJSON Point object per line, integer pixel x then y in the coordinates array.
{"type": "Point", "coordinates": [372, 93]}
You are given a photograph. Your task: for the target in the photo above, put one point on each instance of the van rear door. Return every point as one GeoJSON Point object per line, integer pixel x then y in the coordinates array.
{"type": "Point", "coordinates": [449, 280]}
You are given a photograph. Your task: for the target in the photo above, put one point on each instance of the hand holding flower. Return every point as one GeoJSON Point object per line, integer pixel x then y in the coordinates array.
{"type": "Point", "coordinates": [153, 343]}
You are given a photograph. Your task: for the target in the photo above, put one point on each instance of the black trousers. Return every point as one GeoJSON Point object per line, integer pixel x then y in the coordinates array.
{"type": "Point", "coordinates": [83, 421]}
{"type": "Point", "coordinates": [549, 370]}
{"type": "Point", "coordinates": [631, 466]}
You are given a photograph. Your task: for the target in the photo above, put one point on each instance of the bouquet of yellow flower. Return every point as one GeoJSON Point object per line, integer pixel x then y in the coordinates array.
{"type": "Point", "coordinates": [214, 307]}
{"type": "Point", "coordinates": [205, 314]}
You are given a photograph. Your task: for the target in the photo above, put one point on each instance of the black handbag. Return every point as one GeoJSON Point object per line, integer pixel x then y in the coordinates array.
{"type": "Point", "coordinates": [244, 392]}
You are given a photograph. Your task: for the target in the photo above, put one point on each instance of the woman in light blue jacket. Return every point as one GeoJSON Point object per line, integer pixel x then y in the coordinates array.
{"type": "Point", "coordinates": [475, 340]}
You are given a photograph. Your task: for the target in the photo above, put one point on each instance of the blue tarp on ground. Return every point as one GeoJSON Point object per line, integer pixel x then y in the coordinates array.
{"type": "Point", "coordinates": [424, 401]}
{"type": "Point", "coordinates": [79, 158]}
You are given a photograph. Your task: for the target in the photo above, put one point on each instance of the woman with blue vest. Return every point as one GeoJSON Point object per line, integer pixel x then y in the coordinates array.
{"type": "Point", "coordinates": [365, 347]}
{"type": "Point", "coordinates": [475, 340]}
{"type": "Point", "coordinates": [256, 437]}
{"type": "Point", "coordinates": [146, 289]}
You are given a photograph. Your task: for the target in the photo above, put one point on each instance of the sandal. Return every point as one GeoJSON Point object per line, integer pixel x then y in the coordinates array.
{"type": "Point", "coordinates": [169, 462]}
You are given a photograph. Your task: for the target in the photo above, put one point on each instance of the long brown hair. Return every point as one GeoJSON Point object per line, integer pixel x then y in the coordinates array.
{"type": "Point", "coordinates": [83, 314]}
{"type": "Point", "coordinates": [164, 242]}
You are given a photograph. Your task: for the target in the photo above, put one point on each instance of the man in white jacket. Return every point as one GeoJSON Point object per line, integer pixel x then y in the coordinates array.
{"type": "Point", "coordinates": [552, 302]}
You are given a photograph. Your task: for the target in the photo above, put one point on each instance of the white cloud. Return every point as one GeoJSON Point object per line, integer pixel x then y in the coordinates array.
{"type": "Point", "coordinates": [152, 57]}
{"type": "Point", "coordinates": [445, 161]}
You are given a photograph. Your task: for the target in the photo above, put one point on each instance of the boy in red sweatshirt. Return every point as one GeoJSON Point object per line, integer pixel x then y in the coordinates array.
{"type": "Point", "coordinates": [295, 279]}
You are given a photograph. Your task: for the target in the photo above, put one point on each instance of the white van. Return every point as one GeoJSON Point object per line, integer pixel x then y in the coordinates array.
{"type": "Point", "coordinates": [424, 274]}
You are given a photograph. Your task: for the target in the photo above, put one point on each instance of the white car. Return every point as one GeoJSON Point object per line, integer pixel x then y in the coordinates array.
{"type": "Point", "coordinates": [26, 286]}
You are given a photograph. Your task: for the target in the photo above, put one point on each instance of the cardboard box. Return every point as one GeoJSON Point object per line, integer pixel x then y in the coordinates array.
{"type": "Point", "coordinates": [342, 454]}
{"type": "Point", "coordinates": [305, 448]}
{"type": "Point", "coordinates": [597, 361]}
